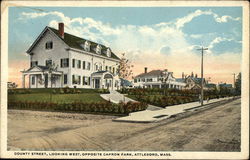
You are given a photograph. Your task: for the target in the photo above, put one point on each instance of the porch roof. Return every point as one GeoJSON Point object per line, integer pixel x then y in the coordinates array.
{"type": "Point", "coordinates": [40, 69]}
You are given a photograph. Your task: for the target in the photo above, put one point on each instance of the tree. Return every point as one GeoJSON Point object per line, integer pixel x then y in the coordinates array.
{"type": "Point", "coordinates": [124, 68]}
{"type": "Point", "coordinates": [238, 84]}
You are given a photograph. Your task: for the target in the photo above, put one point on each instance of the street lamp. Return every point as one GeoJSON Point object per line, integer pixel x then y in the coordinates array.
{"type": "Point", "coordinates": [202, 50]}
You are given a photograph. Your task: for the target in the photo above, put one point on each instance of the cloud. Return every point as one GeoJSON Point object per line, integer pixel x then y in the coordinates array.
{"type": "Point", "coordinates": [158, 46]}
{"type": "Point", "coordinates": [182, 21]}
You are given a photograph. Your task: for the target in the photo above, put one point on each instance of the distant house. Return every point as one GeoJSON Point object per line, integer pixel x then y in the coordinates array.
{"type": "Point", "coordinates": [157, 79]}
{"type": "Point", "coordinates": [225, 85]}
{"type": "Point", "coordinates": [194, 83]}
{"type": "Point", "coordinates": [125, 83]}
{"type": "Point", "coordinates": [59, 59]}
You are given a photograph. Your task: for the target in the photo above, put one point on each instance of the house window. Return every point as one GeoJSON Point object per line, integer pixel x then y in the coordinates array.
{"type": "Point", "coordinates": [85, 80]}
{"type": "Point", "coordinates": [108, 52]}
{"type": "Point", "coordinates": [87, 46]}
{"type": "Point", "coordinates": [135, 80]}
{"type": "Point", "coordinates": [76, 79]}
{"type": "Point", "coordinates": [100, 68]}
{"type": "Point", "coordinates": [79, 80]}
{"type": "Point", "coordinates": [73, 63]}
{"type": "Point", "coordinates": [33, 63]}
{"type": "Point", "coordinates": [106, 68]}
{"type": "Point", "coordinates": [49, 45]}
{"type": "Point", "coordinates": [98, 49]}
{"type": "Point", "coordinates": [113, 70]}
{"type": "Point", "coordinates": [64, 62]}
{"type": "Point", "coordinates": [65, 79]}
{"type": "Point", "coordinates": [33, 80]}
{"type": "Point", "coordinates": [79, 64]}
{"type": "Point", "coordinates": [109, 69]}
{"type": "Point", "coordinates": [88, 80]}
{"type": "Point", "coordinates": [143, 79]}
{"type": "Point", "coordinates": [83, 65]}
{"type": "Point", "coordinates": [48, 63]}
{"type": "Point", "coordinates": [149, 80]}
{"type": "Point", "coordinates": [96, 67]}
{"type": "Point", "coordinates": [88, 66]}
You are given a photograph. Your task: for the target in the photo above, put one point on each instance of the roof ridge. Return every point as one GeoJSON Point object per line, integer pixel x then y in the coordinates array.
{"type": "Point", "coordinates": [79, 37]}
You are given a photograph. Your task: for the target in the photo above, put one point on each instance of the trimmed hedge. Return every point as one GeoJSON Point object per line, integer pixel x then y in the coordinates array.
{"type": "Point", "coordinates": [79, 107]}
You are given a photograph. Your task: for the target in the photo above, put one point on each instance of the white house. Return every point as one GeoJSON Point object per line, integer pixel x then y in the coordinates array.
{"type": "Point", "coordinates": [59, 59]}
{"type": "Point", "coordinates": [157, 79]}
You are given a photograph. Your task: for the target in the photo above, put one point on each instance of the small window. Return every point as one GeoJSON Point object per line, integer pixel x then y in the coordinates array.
{"type": "Point", "coordinates": [49, 45]}
{"type": "Point", "coordinates": [48, 63]}
{"type": "Point", "coordinates": [135, 80]}
{"type": "Point", "coordinates": [33, 63]}
{"type": "Point", "coordinates": [98, 49]}
{"type": "Point", "coordinates": [88, 66]}
{"type": "Point", "coordinates": [64, 63]}
{"type": "Point", "coordinates": [87, 46]}
{"type": "Point", "coordinates": [33, 80]}
{"type": "Point", "coordinates": [106, 68]}
{"type": "Point", "coordinates": [73, 63]}
{"type": "Point", "coordinates": [88, 80]}
{"type": "Point", "coordinates": [79, 64]}
{"type": "Point", "coordinates": [83, 65]}
{"type": "Point", "coordinates": [96, 67]}
{"type": "Point", "coordinates": [65, 79]}
{"type": "Point", "coordinates": [108, 52]}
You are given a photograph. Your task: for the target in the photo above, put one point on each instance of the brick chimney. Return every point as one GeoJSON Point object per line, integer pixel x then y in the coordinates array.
{"type": "Point", "coordinates": [145, 70]}
{"type": "Point", "coordinates": [61, 29]}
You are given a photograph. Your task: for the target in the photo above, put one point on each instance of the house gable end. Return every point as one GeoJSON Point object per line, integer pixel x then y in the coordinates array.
{"type": "Point", "coordinates": [46, 29]}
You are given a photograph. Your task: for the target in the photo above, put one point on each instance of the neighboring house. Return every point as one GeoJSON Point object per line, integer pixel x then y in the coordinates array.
{"type": "Point", "coordinates": [211, 86]}
{"type": "Point", "coordinates": [76, 62]}
{"type": "Point", "coordinates": [126, 83]}
{"type": "Point", "coordinates": [157, 79]}
{"type": "Point", "coordinates": [225, 85]}
{"type": "Point", "coordinates": [194, 83]}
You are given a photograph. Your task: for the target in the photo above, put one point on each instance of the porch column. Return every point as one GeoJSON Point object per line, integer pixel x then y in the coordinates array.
{"type": "Point", "coordinates": [43, 79]}
{"type": "Point", "coordinates": [29, 80]}
{"type": "Point", "coordinates": [49, 81]}
{"type": "Point", "coordinates": [62, 80]}
{"type": "Point", "coordinates": [23, 80]}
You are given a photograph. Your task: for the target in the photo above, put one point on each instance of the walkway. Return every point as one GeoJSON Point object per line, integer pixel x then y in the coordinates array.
{"type": "Point", "coordinates": [153, 113]}
{"type": "Point", "coordinates": [116, 97]}
{"type": "Point", "coordinates": [148, 116]}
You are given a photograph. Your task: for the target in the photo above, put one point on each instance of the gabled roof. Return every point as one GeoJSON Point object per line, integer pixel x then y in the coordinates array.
{"type": "Point", "coordinates": [226, 85]}
{"type": "Point", "coordinates": [151, 73]}
{"type": "Point", "coordinates": [75, 42]}
{"type": "Point", "coordinates": [196, 80]}
{"type": "Point", "coordinates": [180, 80]}
{"type": "Point", "coordinates": [42, 68]}
{"type": "Point", "coordinates": [210, 85]}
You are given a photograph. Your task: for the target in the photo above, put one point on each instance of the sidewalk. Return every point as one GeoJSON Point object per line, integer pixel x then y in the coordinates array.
{"type": "Point", "coordinates": [148, 116]}
{"type": "Point", "coordinates": [116, 97]}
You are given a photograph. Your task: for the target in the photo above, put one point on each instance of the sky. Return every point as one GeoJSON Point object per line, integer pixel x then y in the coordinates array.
{"type": "Point", "coordinates": [152, 37]}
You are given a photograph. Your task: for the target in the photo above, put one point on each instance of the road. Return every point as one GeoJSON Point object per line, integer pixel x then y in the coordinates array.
{"type": "Point", "coordinates": [215, 129]}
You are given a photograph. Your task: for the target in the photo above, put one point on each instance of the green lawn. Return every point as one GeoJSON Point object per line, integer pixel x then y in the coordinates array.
{"type": "Point", "coordinates": [57, 98]}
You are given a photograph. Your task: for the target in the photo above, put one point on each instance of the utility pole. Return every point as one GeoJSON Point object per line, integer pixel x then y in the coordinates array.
{"type": "Point", "coordinates": [202, 51]}
{"type": "Point", "coordinates": [234, 80]}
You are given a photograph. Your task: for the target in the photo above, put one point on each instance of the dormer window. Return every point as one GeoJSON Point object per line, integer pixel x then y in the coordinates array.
{"type": "Point", "coordinates": [49, 45]}
{"type": "Point", "coordinates": [108, 52]}
{"type": "Point", "coordinates": [98, 49]}
{"type": "Point", "coordinates": [87, 46]}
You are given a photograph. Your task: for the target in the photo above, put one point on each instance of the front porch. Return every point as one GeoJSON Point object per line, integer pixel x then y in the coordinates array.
{"type": "Point", "coordinates": [104, 80]}
{"type": "Point", "coordinates": [42, 77]}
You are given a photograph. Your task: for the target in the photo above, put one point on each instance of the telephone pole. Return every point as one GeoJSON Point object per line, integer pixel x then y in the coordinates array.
{"type": "Point", "coordinates": [234, 80]}
{"type": "Point", "coordinates": [202, 94]}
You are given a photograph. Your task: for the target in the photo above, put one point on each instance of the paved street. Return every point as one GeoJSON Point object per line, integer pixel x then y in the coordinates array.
{"type": "Point", "coordinates": [214, 129]}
